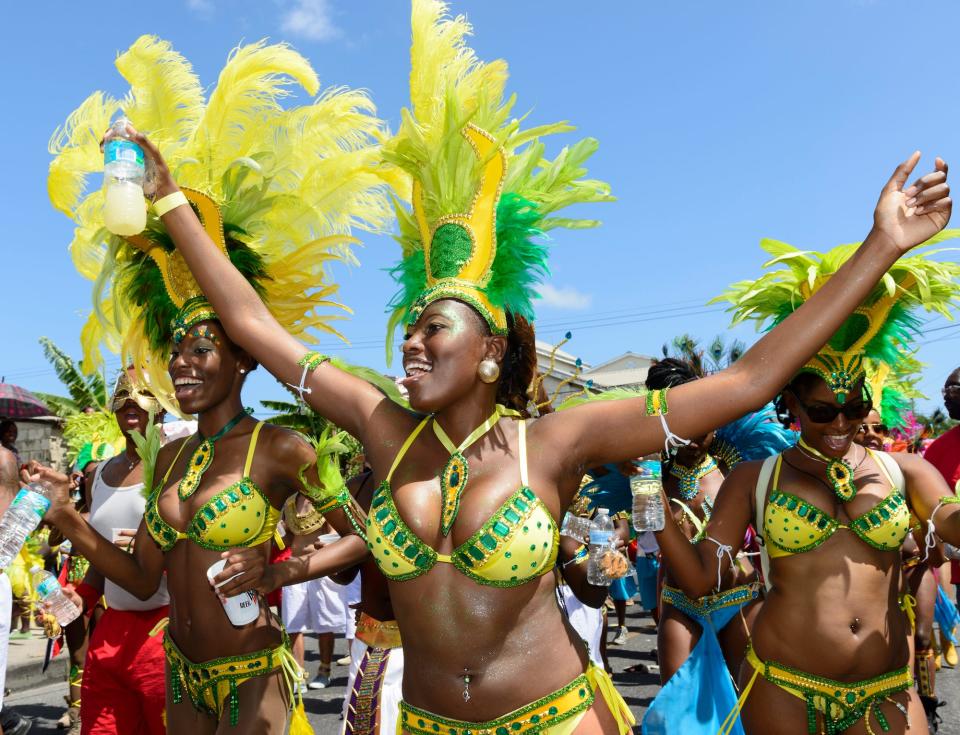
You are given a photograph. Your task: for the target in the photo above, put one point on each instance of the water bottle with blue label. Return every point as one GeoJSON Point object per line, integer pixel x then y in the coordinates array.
{"type": "Point", "coordinates": [601, 537]}
{"type": "Point", "coordinates": [124, 208]}
{"type": "Point", "coordinates": [647, 512]}
{"type": "Point", "coordinates": [21, 519]}
{"type": "Point", "coordinates": [48, 590]}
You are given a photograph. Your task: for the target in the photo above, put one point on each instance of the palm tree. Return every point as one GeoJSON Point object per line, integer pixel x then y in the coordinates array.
{"type": "Point", "coordinates": [84, 390]}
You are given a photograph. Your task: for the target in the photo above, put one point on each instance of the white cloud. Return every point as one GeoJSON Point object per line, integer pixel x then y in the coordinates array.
{"type": "Point", "coordinates": [310, 19]}
{"type": "Point", "coordinates": [203, 7]}
{"type": "Point", "coordinates": [564, 298]}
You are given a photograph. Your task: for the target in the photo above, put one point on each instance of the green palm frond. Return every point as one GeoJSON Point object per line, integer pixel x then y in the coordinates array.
{"type": "Point", "coordinates": [84, 390]}
{"type": "Point", "coordinates": [59, 405]}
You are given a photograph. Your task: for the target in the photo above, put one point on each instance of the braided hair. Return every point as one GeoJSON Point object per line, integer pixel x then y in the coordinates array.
{"type": "Point", "coordinates": [669, 373]}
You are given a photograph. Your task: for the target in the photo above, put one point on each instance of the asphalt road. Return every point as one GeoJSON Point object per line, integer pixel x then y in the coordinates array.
{"type": "Point", "coordinates": [45, 703]}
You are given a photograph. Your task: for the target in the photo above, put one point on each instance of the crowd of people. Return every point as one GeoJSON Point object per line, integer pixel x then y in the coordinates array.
{"type": "Point", "coordinates": [794, 582]}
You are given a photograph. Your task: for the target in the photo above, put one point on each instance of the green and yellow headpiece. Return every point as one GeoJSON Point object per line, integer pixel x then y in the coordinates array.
{"type": "Point", "coordinates": [483, 192]}
{"type": "Point", "coordinates": [880, 329]}
{"type": "Point", "coordinates": [279, 189]}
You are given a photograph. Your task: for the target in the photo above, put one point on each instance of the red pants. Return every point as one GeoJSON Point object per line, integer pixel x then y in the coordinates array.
{"type": "Point", "coordinates": [124, 679]}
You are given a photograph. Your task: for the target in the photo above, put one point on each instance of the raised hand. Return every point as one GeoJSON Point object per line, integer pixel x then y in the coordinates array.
{"type": "Point", "coordinates": [58, 483]}
{"type": "Point", "coordinates": [911, 216]}
{"type": "Point", "coordinates": [159, 181]}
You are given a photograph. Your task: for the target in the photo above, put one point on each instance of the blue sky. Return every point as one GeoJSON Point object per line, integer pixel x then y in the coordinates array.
{"type": "Point", "coordinates": [720, 124]}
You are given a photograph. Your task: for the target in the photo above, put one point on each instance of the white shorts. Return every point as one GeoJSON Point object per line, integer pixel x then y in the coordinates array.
{"type": "Point", "coordinates": [390, 692]}
{"type": "Point", "coordinates": [587, 621]}
{"type": "Point", "coordinates": [316, 606]}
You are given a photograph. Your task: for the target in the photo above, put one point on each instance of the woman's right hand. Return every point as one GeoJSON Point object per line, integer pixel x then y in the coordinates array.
{"type": "Point", "coordinates": [59, 484]}
{"type": "Point", "coordinates": [908, 217]}
{"type": "Point", "coordinates": [159, 181]}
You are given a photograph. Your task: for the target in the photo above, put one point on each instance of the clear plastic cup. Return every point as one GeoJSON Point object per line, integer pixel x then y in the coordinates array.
{"type": "Point", "coordinates": [241, 609]}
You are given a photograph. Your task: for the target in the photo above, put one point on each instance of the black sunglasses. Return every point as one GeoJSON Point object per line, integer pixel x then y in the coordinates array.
{"type": "Point", "coordinates": [876, 428]}
{"type": "Point", "coordinates": [823, 413]}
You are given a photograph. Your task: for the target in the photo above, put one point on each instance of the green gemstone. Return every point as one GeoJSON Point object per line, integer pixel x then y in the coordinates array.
{"type": "Point", "coordinates": [234, 498]}
{"type": "Point", "coordinates": [476, 553]}
{"type": "Point", "coordinates": [552, 711]}
{"type": "Point", "coordinates": [400, 539]}
{"type": "Point", "coordinates": [389, 527]}
{"type": "Point", "coordinates": [534, 719]}
{"type": "Point", "coordinates": [411, 551]}
{"type": "Point", "coordinates": [511, 516]}
{"type": "Point", "coordinates": [489, 541]}
{"type": "Point", "coordinates": [851, 697]}
{"type": "Point", "coordinates": [501, 529]}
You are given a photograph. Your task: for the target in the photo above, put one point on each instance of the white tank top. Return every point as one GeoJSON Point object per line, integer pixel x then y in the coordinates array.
{"type": "Point", "coordinates": [121, 507]}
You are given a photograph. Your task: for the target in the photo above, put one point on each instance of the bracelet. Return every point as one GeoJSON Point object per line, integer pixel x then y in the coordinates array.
{"type": "Point", "coordinates": [170, 201]}
{"type": "Point", "coordinates": [579, 556]}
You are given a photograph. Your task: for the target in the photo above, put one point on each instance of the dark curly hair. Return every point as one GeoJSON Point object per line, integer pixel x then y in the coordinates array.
{"type": "Point", "coordinates": [669, 373]}
{"type": "Point", "coordinates": [519, 365]}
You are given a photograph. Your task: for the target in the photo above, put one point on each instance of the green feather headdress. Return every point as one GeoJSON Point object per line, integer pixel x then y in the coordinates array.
{"type": "Point", "coordinates": [882, 327]}
{"type": "Point", "coordinates": [483, 191]}
{"type": "Point", "coordinates": [278, 189]}
{"type": "Point", "coordinates": [893, 387]}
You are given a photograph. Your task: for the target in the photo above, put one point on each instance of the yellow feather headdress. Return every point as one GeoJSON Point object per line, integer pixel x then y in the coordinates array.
{"type": "Point", "coordinates": [483, 190]}
{"type": "Point", "coordinates": [880, 329]}
{"type": "Point", "coordinates": [279, 189]}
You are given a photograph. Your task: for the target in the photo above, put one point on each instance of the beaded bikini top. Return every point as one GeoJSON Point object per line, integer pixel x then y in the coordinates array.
{"type": "Point", "coordinates": [793, 526]}
{"type": "Point", "coordinates": [517, 544]}
{"type": "Point", "coordinates": [239, 515]}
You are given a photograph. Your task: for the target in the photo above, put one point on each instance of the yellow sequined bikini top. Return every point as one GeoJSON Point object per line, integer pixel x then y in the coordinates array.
{"type": "Point", "coordinates": [793, 526]}
{"type": "Point", "coordinates": [517, 544]}
{"type": "Point", "coordinates": [239, 515]}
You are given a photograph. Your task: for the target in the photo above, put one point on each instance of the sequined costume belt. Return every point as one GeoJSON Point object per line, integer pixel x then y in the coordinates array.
{"type": "Point", "coordinates": [703, 607]}
{"type": "Point", "coordinates": [842, 704]}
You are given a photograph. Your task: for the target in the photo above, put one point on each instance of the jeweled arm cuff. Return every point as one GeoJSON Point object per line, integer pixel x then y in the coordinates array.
{"type": "Point", "coordinates": [324, 501]}
{"type": "Point", "coordinates": [657, 402]}
{"type": "Point", "coordinates": [579, 556]}
{"type": "Point", "coordinates": [309, 362]}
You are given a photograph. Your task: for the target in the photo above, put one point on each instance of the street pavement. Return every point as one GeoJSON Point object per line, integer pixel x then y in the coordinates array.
{"type": "Point", "coordinates": [43, 699]}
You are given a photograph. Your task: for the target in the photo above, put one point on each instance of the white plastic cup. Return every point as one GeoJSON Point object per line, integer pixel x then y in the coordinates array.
{"type": "Point", "coordinates": [241, 609]}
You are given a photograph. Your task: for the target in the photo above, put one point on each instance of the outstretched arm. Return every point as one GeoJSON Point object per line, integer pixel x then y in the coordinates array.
{"type": "Point", "coordinates": [334, 394]}
{"type": "Point", "coordinates": [697, 568]}
{"type": "Point", "coordinates": [902, 220]}
{"type": "Point", "coordinates": [139, 573]}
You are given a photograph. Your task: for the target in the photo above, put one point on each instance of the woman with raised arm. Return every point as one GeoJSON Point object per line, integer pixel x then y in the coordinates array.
{"type": "Point", "coordinates": [828, 650]}
{"type": "Point", "coordinates": [485, 645]}
{"type": "Point", "coordinates": [223, 487]}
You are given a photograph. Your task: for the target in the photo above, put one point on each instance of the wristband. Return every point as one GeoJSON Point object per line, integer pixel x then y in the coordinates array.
{"type": "Point", "coordinates": [170, 201]}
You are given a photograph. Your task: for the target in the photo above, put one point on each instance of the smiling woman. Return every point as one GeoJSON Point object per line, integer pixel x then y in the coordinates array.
{"type": "Point", "coordinates": [221, 489]}
{"type": "Point", "coordinates": [829, 510]}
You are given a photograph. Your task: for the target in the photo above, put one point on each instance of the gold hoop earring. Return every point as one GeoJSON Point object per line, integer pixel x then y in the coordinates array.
{"type": "Point", "coordinates": [488, 370]}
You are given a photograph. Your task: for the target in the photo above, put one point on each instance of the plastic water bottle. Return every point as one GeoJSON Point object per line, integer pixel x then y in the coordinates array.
{"type": "Point", "coordinates": [21, 519]}
{"type": "Point", "coordinates": [576, 527]}
{"type": "Point", "coordinates": [601, 534]}
{"type": "Point", "coordinates": [124, 208]}
{"type": "Point", "coordinates": [48, 590]}
{"type": "Point", "coordinates": [647, 512]}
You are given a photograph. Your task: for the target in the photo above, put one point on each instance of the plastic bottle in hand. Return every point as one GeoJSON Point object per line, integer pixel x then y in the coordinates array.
{"type": "Point", "coordinates": [124, 208]}
{"type": "Point", "coordinates": [601, 534]}
{"type": "Point", "coordinates": [645, 486]}
{"type": "Point", "coordinates": [48, 590]}
{"type": "Point", "coordinates": [576, 527]}
{"type": "Point", "coordinates": [21, 519]}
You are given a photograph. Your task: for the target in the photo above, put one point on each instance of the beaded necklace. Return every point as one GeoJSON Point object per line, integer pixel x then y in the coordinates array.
{"type": "Point", "coordinates": [202, 458]}
{"type": "Point", "coordinates": [689, 477]}
{"type": "Point", "coordinates": [839, 471]}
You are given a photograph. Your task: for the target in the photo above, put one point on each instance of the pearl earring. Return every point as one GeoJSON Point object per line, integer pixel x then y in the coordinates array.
{"type": "Point", "coordinates": [488, 370]}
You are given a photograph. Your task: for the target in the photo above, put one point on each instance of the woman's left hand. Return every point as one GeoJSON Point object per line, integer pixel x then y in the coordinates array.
{"type": "Point", "coordinates": [909, 216]}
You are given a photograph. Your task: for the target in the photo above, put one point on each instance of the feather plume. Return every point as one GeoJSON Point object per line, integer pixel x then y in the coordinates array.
{"type": "Point", "coordinates": [451, 87]}
{"type": "Point", "coordinates": [293, 184]}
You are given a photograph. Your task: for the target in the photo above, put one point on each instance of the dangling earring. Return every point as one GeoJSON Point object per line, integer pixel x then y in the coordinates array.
{"type": "Point", "coordinates": [488, 370]}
